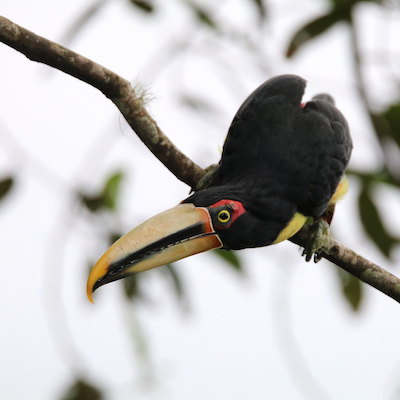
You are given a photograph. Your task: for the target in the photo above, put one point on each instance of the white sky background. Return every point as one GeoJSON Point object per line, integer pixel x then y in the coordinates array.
{"type": "Point", "coordinates": [242, 336]}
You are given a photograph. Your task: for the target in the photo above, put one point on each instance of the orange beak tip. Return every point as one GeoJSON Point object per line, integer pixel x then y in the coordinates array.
{"type": "Point", "coordinates": [89, 293]}
{"type": "Point", "coordinates": [90, 297]}
{"type": "Point", "coordinates": [97, 272]}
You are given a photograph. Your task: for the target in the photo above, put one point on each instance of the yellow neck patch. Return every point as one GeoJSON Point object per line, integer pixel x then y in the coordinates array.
{"type": "Point", "coordinates": [298, 220]}
{"type": "Point", "coordinates": [341, 190]}
{"type": "Point", "coordinates": [294, 225]}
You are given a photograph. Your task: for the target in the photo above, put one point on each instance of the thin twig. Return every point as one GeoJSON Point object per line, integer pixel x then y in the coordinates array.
{"type": "Point", "coordinates": [123, 96]}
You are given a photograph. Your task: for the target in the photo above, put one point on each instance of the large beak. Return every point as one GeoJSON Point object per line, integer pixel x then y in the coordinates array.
{"type": "Point", "coordinates": [167, 237]}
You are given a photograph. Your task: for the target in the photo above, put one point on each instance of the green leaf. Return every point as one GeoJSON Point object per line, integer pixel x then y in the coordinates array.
{"type": "Point", "coordinates": [111, 190]}
{"type": "Point", "coordinates": [5, 186]}
{"type": "Point", "coordinates": [343, 3]}
{"type": "Point", "coordinates": [113, 237]}
{"type": "Point", "coordinates": [143, 5]}
{"type": "Point", "coordinates": [392, 116]}
{"type": "Point", "coordinates": [261, 8]}
{"type": "Point", "coordinates": [107, 198]}
{"type": "Point", "coordinates": [352, 289]}
{"type": "Point", "coordinates": [93, 203]}
{"type": "Point", "coordinates": [82, 390]}
{"type": "Point", "coordinates": [370, 178]}
{"type": "Point", "coordinates": [203, 16]}
{"type": "Point", "coordinates": [373, 224]}
{"type": "Point", "coordinates": [316, 28]}
{"type": "Point", "coordinates": [352, 3]}
{"type": "Point", "coordinates": [131, 286]}
{"type": "Point", "coordinates": [175, 279]}
{"type": "Point", "coordinates": [231, 258]}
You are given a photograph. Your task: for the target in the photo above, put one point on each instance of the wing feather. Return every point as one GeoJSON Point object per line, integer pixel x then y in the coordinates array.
{"type": "Point", "coordinates": [291, 152]}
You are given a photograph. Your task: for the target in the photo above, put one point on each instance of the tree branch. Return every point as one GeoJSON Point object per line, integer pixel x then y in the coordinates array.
{"type": "Point", "coordinates": [356, 265]}
{"type": "Point", "coordinates": [121, 93]}
{"type": "Point", "coordinates": [116, 88]}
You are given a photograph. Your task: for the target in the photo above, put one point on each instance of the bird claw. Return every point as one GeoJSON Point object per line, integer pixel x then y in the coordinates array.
{"type": "Point", "coordinates": [320, 240]}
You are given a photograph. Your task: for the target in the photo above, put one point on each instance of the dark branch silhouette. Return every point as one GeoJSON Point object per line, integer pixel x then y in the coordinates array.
{"type": "Point", "coordinates": [123, 95]}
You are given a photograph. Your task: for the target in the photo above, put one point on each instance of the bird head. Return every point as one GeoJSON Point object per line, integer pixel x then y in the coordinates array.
{"type": "Point", "coordinates": [208, 219]}
{"type": "Point", "coordinates": [282, 161]}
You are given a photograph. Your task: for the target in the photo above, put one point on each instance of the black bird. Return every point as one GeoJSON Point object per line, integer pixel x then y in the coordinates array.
{"type": "Point", "coordinates": [282, 162]}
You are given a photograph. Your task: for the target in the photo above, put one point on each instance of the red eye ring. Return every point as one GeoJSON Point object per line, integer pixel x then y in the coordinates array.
{"type": "Point", "coordinates": [234, 205]}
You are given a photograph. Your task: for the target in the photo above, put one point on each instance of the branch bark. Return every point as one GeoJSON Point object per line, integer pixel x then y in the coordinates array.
{"type": "Point", "coordinates": [113, 86]}
{"type": "Point", "coordinates": [121, 93]}
{"type": "Point", "coordinates": [356, 265]}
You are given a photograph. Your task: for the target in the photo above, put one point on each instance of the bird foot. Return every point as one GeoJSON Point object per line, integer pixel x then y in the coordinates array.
{"type": "Point", "coordinates": [208, 179]}
{"type": "Point", "coordinates": [320, 240]}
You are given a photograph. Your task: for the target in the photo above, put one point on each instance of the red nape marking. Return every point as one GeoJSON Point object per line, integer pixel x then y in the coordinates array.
{"type": "Point", "coordinates": [236, 206]}
{"type": "Point", "coordinates": [302, 105]}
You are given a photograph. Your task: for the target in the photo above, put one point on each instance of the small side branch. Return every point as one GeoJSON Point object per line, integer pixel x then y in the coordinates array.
{"type": "Point", "coordinates": [121, 93]}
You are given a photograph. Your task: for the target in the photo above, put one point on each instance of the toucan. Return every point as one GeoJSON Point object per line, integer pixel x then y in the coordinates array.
{"type": "Point", "coordinates": [283, 162]}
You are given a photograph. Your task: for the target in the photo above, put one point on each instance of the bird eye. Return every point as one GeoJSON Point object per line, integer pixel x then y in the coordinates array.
{"type": "Point", "coordinates": [224, 216]}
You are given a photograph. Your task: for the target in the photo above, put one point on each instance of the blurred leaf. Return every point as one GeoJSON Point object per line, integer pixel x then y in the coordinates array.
{"type": "Point", "coordinates": [370, 178]}
{"type": "Point", "coordinates": [112, 189]}
{"type": "Point", "coordinates": [196, 103]}
{"type": "Point", "coordinates": [392, 116]}
{"type": "Point", "coordinates": [202, 15]}
{"type": "Point", "coordinates": [352, 289]}
{"type": "Point", "coordinates": [88, 14]}
{"type": "Point", "coordinates": [343, 3]}
{"type": "Point", "coordinates": [144, 5]}
{"type": "Point", "coordinates": [113, 236]}
{"type": "Point", "coordinates": [373, 224]}
{"type": "Point", "coordinates": [131, 286]}
{"type": "Point", "coordinates": [316, 28]}
{"type": "Point", "coordinates": [261, 8]}
{"type": "Point", "coordinates": [231, 258]}
{"type": "Point", "coordinates": [107, 198]}
{"type": "Point", "coordinates": [176, 280]}
{"type": "Point", "coordinates": [93, 203]}
{"type": "Point", "coordinates": [352, 3]}
{"type": "Point", "coordinates": [5, 186]}
{"type": "Point", "coordinates": [82, 390]}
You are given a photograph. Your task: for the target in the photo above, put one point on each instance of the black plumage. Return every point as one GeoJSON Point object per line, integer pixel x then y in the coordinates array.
{"type": "Point", "coordinates": [280, 157]}
{"type": "Point", "coordinates": [282, 162]}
